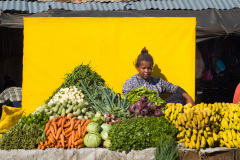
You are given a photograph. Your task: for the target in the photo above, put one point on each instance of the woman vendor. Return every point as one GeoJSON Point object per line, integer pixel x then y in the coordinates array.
{"type": "Point", "coordinates": [144, 65]}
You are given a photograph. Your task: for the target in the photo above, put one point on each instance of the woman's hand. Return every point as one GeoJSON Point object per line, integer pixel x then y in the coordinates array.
{"type": "Point", "coordinates": [188, 99]}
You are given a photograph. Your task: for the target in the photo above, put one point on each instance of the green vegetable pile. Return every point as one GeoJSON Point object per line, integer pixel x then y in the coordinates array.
{"type": "Point", "coordinates": [39, 120]}
{"type": "Point", "coordinates": [22, 136]}
{"type": "Point", "coordinates": [106, 101]}
{"type": "Point", "coordinates": [140, 133]}
{"type": "Point", "coordinates": [152, 95]}
{"type": "Point", "coordinates": [166, 150]}
{"type": "Point", "coordinates": [84, 73]}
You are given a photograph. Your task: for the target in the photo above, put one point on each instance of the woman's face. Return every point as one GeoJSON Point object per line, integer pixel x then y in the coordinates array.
{"type": "Point", "coordinates": [145, 69]}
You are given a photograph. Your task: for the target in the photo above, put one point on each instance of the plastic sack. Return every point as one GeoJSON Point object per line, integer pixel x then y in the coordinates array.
{"type": "Point", "coordinates": [10, 117]}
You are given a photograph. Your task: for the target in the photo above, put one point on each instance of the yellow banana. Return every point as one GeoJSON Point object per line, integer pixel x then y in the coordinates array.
{"type": "Point", "coordinates": [205, 134]}
{"type": "Point", "coordinates": [194, 138]}
{"type": "Point", "coordinates": [203, 142]}
{"type": "Point", "coordinates": [234, 135]}
{"type": "Point", "coordinates": [215, 137]}
{"type": "Point", "coordinates": [198, 145]}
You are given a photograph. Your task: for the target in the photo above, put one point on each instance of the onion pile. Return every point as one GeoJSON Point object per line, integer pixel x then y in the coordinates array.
{"type": "Point", "coordinates": [145, 108]}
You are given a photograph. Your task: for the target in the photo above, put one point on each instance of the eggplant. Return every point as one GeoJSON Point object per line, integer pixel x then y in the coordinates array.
{"type": "Point", "coordinates": [133, 107]}
{"type": "Point", "coordinates": [144, 112]}
{"type": "Point", "coordinates": [144, 98]}
{"type": "Point", "coordinates": [158, 113]}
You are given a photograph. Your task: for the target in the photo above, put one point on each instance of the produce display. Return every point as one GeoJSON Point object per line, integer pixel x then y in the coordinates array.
{"type": "Point", "coordinates": [205, 125]}
{"type": "Point", "coordinates": [85, 112]}
{"type": "Point", "coordinates": [140, 133]}
{"type": "Point", "coordinates": [64, 132]}
{"type": "Point", "coordinates": [22, 136]}
{"type": "Point", "coordinates": [146, 108]}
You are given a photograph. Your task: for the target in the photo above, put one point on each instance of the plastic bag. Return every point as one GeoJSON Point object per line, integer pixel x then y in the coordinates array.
{"type": "Point", "coordinates": [10, 117]}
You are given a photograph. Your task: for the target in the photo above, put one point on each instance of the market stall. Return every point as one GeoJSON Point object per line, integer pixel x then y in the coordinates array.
{"type": "Point", "coordinates": [82, 115]}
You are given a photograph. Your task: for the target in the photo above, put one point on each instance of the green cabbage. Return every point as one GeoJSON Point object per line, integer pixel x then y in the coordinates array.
{"type": "Point", "coordinates": [92, 140]}
{"type": "Point", "coordinates": [93, 127]}
{"type": "Point", "coordinates": [98, 120]}
{"type": "Point", "coordinates": [107, 143]}
{"type": "Point", "coordinates": [106, 127]}
{"type": "Point", "coordinates": [104, 135]}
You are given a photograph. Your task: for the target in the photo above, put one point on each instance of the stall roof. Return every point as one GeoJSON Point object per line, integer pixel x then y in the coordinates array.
{"type": "Point", "coordinates": [211, 23]}
{"type": "Point", "coordinates": [109, 5]}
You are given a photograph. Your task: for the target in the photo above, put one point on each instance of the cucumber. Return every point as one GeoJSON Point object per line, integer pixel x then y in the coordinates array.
{"type": "Point", "coordinates": [75, 108]}
{"type": "Point", "coordinates": [69, 110]}
{"type": "Point", "coordinates": [63, 111]}
{"type": "Point", "coordinates": [78, 112]}
{"type": "Point", "coordinates": [56, 108]}
{"type": "Point", "coordinates": [60, 110]}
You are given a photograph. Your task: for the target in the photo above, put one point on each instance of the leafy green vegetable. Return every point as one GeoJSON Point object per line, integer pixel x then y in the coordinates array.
{"type": "Point", "coordinates": [84, 73]}
{"type": "Point", "coordinates": [152, 95]}
{"type": "Point", "coordinates": [140, 133]}
{"type": "Point", "coordinates": [166, 150]}
{"type": "Point", "coordinates": [22, 136]}
{"type": "Point", "coordinates": [39, 120]}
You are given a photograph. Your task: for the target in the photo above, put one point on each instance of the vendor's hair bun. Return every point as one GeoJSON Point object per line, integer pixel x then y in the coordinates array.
{"type": "Point", "coordinates": [144, 56]}
{"type": "Point", "coordinates": [144, 50]}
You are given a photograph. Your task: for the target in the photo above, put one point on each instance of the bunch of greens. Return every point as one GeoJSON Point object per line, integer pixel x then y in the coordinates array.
{"type": "Point", "coordinates": [166, 150]}
{"type": "Point", "coordinates": [106, 101]}
{"type": "Point", "coordinates": [140, 133]}
{"type": "Point", "coordinates": [152, 95]}
{"type": "Point", "coordinates": [84, 73]}
{"type": "Point", "coordinates": [22, 136]}
{"type": "Point", "coordinates": [39, 120]}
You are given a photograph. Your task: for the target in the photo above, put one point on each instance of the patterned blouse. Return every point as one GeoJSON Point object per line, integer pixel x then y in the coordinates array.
{"type": "Point", "coordinates": [153, 83]}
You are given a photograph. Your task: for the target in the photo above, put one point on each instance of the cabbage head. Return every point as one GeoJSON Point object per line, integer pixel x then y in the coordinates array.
{"type": "Point", "coordinates": [107, 143]}
{"type": "Point", "coordinates": [97, 119]}
{"type": "Point", "coordinates": [93, 127]}
{"type": "Point", "coordinates": [104, 135]}
{"type": "Point", "coordinates": [106, 127]}
{"type": "Point", "coordinates": [92, 140]}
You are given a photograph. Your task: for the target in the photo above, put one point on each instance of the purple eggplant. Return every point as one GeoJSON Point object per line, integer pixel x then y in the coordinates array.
{"type": "Point", "coordinates": [144, 98]}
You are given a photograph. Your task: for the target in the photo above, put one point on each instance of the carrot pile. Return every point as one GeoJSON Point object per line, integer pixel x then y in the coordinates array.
{"type": "Point", "coordinates": [65, 132]}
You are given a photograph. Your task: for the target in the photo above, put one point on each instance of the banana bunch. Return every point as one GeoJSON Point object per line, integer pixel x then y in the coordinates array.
{"type": "Point", "coordinates": [230, 117]}
{"type": "Point", "coordinates": [230, 126]}
{"type": "Point", "coordinates": [198, 126]}
{"type": "Point", "coordinates": [229, 138]}
{"type": "Point", "coordinates": [174, 110]}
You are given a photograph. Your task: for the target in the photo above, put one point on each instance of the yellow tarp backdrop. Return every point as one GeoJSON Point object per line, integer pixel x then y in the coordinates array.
{"type": "Point", "coordinates": [54, 46]}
